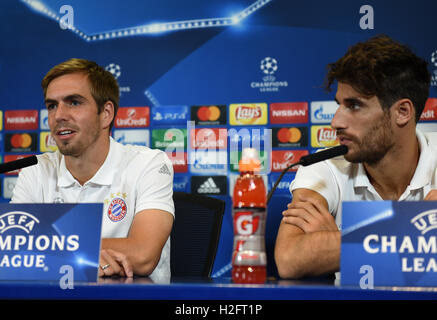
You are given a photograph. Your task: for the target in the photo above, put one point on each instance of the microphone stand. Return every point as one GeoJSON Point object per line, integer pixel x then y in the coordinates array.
{"type": "Point", "coordinates": [279, 179]}
{"type": "Point", "coordinates": [310, 159]}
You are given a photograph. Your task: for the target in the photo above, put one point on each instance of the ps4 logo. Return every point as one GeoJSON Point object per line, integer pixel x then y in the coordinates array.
{"type": "Point", "coordinates": [170, 114]}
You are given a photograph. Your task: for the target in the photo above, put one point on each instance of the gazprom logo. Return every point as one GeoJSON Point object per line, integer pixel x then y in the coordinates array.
{"type": "Point", "coordinates": [425, 221]}
{"type": "Point", "coordinates": [323, 111]}
{"type": "Point", "coordinates": [17, 219]}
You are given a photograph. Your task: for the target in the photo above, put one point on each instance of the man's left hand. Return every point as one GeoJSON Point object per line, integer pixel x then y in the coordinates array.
{"type": "Point", "coordinates": [114, 263]}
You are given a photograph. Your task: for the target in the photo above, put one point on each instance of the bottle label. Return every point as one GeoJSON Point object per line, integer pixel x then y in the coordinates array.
{"type": "Point", "coordinates": [249, 222]}
{"type": "Point", "coordinates": [249, 258]}
{"type": "Point", "coordinates": [253, 243]}
{"type": "Point", "coordinates": [249, 242]}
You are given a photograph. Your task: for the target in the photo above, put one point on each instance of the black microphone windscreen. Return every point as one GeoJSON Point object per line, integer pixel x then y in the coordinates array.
{"type": "Point", "coordinates": [18, 164]}
{"type": "Point", "coordinates": [323, 155]}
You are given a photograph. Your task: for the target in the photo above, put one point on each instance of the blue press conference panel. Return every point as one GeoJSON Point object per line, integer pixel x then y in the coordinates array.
{"type": "Point", "coordinates": [176, 63]}
{"type": "Point", "coordinates": [387, 243]}
{"type": "Point", "coordinates": [43, 241]}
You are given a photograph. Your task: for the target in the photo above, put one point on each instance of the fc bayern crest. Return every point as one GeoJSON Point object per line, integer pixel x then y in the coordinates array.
{"type": "Point", "coordinates": [117, 209]}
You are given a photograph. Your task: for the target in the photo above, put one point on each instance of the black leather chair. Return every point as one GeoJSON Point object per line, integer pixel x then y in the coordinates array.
{"type": "Point", "coordinates": [195, 234]}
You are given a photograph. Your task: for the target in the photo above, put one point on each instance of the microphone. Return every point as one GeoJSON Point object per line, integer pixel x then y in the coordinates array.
{"type": "Point", "coordinates": [18, 164]}
{"type": "Point", "coordinates": [311, 159]}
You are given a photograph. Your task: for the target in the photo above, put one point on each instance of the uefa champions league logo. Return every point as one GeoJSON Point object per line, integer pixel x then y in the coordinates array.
{"type": "Point", "coordinates": [434, 58]}
{"type": "Point", "coordinates": [268, 67]}
{"type": "Point", "coordinates": [434, 73]}
{"type": "Point", "coordinates": [114, 69]}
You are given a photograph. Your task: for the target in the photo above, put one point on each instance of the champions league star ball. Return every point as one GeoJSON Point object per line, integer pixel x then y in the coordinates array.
{"type": "Point", "coordinates": [434, 58]}
{"type": "Point", "coordinates": [114, 69]}
{"type": "Point", "coordinates": [269, 65]}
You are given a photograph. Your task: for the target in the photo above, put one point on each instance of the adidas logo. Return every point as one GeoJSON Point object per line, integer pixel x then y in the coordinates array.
{"type": "Point", "coordinates": [164, 170]}
{"type": "Point", "coordinates": [208, 186]}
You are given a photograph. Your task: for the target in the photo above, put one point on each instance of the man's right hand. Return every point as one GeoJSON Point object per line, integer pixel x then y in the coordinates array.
{"type": "Point", "coordinates": [308, 241]}
{"type": "Point", "coordinates": [309, 214]}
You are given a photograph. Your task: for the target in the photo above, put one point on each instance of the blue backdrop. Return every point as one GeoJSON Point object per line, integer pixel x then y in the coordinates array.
{"type": "Point", "coordinates": [179, 55]}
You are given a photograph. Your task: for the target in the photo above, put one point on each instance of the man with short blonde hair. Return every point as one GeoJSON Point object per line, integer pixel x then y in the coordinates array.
{"type": "Point", "coordinates": [134, 183]}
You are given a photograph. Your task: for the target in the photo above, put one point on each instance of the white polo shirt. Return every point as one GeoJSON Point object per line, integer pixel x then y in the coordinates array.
{"type": "Point", "coordinates": [338, 180]}
{"type": "Point", "coordinates": [132, 179]}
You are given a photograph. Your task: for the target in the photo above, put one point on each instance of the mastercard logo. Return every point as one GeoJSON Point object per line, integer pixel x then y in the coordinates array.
{"type": "Point", "coordinates": [208, 113]}
{"type": "Point", "coordinates": [289, 135]}
{"type": "Point", "coordinates": [21, 140]}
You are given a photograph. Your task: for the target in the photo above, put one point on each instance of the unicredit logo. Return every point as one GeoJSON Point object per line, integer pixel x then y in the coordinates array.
{"type": "Point", "coordinates": [132, 117]}
{"type": "Point", "coordinates": [131, 122]}
{"type": "Point", "coordinates": [430, 110]}
{"type": "Point", "coordinates": [281, 159]}
{"type": "Point", "coordinates": [207, 138]}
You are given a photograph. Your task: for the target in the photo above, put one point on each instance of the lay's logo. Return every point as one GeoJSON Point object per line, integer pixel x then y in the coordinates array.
{"type": "Point", "coordinates": [248, 114]}
{"type": "Point", "coordinates": [323, 136]}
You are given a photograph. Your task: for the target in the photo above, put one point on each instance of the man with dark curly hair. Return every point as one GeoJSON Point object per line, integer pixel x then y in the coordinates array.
{"type": "Point", "coordinates": [382, 88]}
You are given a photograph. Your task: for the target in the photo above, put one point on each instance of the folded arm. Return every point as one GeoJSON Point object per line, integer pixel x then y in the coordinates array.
{"type": "Point", "coordinates": [308, 241]}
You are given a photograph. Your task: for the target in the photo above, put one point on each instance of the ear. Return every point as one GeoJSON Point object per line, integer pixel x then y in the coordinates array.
{"type": "Point", "coordinates": [404, 112]}
{"type": "Point", "coordinates": [107, 114]}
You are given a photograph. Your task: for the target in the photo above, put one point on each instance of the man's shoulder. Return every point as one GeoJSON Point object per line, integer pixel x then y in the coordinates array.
{"type": "Point", "coordinates": [337, 167]}
{"type": "Point", "coordinates": [49, 159]}
{"type": "Point", "coordinates": [48, 164]}
{"type": "Point", "coordinates": [131, 152]}
{"type": "Point", "coordinates": [431, 138]}
{"type": "Point", "coordinates": [338, 163]}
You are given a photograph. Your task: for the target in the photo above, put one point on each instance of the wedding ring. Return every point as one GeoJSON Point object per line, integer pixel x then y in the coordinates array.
{"type": "Point", "coordinates": [105, 266]}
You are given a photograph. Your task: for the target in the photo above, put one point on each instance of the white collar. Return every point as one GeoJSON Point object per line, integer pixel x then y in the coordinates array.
{"type": "Point", "coordinates": [422, 175]}
{"type": "Point", "coordinates": [103, 176]}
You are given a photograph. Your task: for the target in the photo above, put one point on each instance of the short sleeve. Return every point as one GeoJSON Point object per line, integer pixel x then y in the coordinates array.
{"type": "Point", "coordinates": [318, 177]}
{"type": "Point", "coordinates": [25, 187]}
{"type": "Point", "coordinates": [155, 185]}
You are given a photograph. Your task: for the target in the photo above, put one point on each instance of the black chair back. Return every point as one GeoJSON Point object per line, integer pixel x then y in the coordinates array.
{"type": "Point", "coordinates": [195, 234]}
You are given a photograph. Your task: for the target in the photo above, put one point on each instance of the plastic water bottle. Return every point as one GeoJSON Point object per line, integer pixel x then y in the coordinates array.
{"type": "Point", "coordinates": [249, 219]}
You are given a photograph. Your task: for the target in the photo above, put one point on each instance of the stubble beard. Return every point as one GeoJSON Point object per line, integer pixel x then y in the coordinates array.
{"type": "Point", "coordinates": [77, 148]}
{"type": "Point", "coordinates": [375, 144]}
